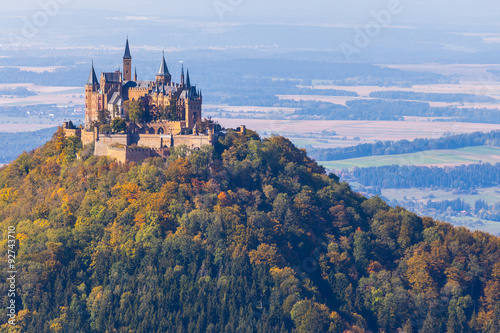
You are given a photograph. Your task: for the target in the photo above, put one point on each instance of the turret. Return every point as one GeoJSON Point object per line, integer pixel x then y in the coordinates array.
{"type": "Point", "coordinates": [92, 80]}
{"type": "Point", "coordinates": [182, 75]}
{"type": "Point", "coordinates": [188, 81]}
{"type": "Point", "coordinates": [163, 75]}
{"type": "Point", "coordinates": [91, 97]}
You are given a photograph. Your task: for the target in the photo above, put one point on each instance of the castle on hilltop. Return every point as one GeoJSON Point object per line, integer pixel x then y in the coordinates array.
{"type": "Point", "coordinates": [131, 120]}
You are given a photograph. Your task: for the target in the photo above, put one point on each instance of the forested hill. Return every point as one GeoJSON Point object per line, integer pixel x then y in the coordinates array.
{"type": "Point", "coordinates": [248, 236]}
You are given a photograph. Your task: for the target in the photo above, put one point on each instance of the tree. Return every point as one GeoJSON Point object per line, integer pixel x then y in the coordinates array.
{"type": "Point", "coordinates": [171, 111]}
{"type": "Point", "coordinates": [135, 111]}
{"type": "Point", "coordinates": [118, 125]}
{"type": "Point", "coordinates": [361, 243]}
{"type": "Point", "coordinates": [105, 129]}
{"type": "Point", "coordinates": [103, 117]}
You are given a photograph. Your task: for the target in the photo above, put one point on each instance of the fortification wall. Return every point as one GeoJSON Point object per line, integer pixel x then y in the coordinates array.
{"type": "Point", "coordinates": [153, 140]}
{"type": "Point", "coordinates": [105, 141]}
{"type": "Point", "coordinates": [159, 127]}
{"type": "Point", "coordinates": [192, 141]}
{"type": "Point", "coordinates": [87, 137]}
{"type": "Point", "coordinates": [161, 152]}
{"type": "Point", "coordinates": [137, 154]}
{"type": "Point", "coordinates": [72, 132]}
{"type": "Point", "coordinates": [167, 127]}
{"type": "Point", "coordinates": [119, 153]}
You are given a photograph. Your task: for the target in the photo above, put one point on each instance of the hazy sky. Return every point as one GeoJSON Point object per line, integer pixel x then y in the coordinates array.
{"type": "Point", "coordinates": [454, 30]}
{"type": "Point", "coordinates": [348, 11]}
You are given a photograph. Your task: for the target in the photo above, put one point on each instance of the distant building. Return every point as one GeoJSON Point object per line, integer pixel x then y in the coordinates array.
{"type": "Point", "coordinates": [113, 90]}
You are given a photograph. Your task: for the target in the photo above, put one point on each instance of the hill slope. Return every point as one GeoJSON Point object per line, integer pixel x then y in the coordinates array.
{"type": "Point", "coordinates": [248, 236]}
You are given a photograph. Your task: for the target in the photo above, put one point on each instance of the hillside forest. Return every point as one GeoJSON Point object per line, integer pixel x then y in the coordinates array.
{"type": "Point", "coordinates": [250, 235]}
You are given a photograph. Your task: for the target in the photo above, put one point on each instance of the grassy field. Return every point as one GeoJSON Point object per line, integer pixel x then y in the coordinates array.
{"type": "Point", "coordinates": [445, 157]}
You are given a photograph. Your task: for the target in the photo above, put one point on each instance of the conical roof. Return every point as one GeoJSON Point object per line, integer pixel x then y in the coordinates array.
{"type": "Point", "coordinates": [188, 81]}
{"type": "Point", "coordinates": [163, 68]}
{"type": "Point", "coordinates": [92, 77]}
{"type": "Point", "coordinates": [127, 51]}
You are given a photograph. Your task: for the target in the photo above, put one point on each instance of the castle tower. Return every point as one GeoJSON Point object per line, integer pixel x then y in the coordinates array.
{"type": "Point", "coordinates": [91, 96]}
{"type": "Point", "coordinates": [163, 75]}
{"type": "Point", "coordinates": [127, 64]}
{"type": "Point", "coordinates": [193, 103]}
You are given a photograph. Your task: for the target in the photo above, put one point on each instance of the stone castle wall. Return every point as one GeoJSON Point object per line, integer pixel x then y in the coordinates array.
{"type": "Point", "coordinates": [149, 140]}
{"type": "Point", "coordinates": [70, 132]}
{"type": "Point", "coordinates": [118, 153]}
{"type": "Point", "coordinates": [118, 146]}
{"type": "Point", "coordinates": [87, 137]}
{"type": "Point", "coordinates": [107, 140]}
{"type": "Point", "coordinates": [159, 127]}
{"type": "Point", "coordinates": [192, 141]}
{"type": "Point", "coordinates": [137, 154]}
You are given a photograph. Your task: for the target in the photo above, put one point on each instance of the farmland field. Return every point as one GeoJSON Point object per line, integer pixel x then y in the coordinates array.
{"type": "Point", "coordinates": [445, 157]}
{"type": "Point", "coordinates": [347, 130]}
{"type": "Point", "coordinates": [469, 84]}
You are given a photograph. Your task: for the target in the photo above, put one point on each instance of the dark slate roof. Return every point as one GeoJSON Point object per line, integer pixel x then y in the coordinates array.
{"type": "Point", "coordinates": [112, 76]}
{"type": "Point", "coordinates": [163, 68]}
{"type": "Point", "coordinates": [92, 80]}
{"type": "Point", "coordinates": [143, 84]}
{"type": "Point", "coordinates": [167, 89]}
{"type": "Point", "coordinates": [189, 92]}
{"type": "Point", "coordinates": [127, 51]}
{"type": "Point", "coordinates": [129, 84]}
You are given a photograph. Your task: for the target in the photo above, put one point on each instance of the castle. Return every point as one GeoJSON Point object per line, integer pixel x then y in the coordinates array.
{"type": "Point", "coordinates": [167, 114]}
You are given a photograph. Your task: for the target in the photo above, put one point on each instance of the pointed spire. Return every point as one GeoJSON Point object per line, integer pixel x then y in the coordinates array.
{"type": "Point", "coordinates": [182, 75]}
{"type": "Point", "coordinates": [127, 51]}
{"type": "Point", "coordinates": [188, 81]}
{"type": "Point", "coordinates": [163, 67]}
{"type": "Point", "coordinates": [92, 77]}
{"type": "Point", "coordinates": [135, 74]}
